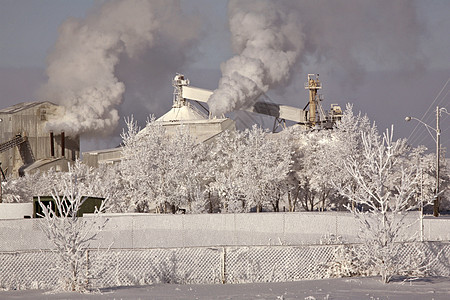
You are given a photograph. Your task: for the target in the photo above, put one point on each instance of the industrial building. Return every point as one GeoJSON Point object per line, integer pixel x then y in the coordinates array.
{"type": "Point", "coordinates": [202, 128]}
{"type": "Point", "coordinates": [27, 146]}
{"type": "Point", "coordinates": [205, 128]}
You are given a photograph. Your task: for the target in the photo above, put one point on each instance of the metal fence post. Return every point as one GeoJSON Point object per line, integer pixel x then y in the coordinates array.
{"type": "Point", "coordinates": [87, 268]}
{"type": "Point", "coordinates": [223, 267]}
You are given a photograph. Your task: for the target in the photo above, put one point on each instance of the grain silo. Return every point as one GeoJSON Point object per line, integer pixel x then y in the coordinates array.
{"type": "Point", "coordinates": [27, 146]}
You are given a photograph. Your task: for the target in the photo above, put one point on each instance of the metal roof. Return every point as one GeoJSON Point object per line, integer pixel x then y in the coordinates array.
{"type": "Point", "coordinates": [183, 113]}
{"type": "Point", "coordinates": [22, 106]}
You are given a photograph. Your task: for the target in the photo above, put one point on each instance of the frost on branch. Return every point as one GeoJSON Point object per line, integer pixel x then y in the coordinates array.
{"type": "Point", "coordinates": [384, 189]}
{"type": "Point", "coordinates": [161, 172]}
{"type": "Point", "coordinates": [72, 236]}
{"type": "Point", "coordinates": [250, 169]}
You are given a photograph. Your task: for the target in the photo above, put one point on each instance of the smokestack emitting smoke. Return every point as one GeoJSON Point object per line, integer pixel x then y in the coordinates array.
{"type": "Point", "coordinates": [81, 67]}
{"type": "Point", "coordinates": [268, 40]}
{"type": "Point", "coordinates": [270, 37]}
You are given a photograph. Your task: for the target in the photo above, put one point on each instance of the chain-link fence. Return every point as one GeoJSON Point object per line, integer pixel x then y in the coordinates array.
{"type": "Point", "coordinates": [122, 267]}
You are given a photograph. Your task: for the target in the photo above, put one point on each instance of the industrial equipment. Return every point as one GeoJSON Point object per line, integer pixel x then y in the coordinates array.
{"type": "Point", "coordinates": [26, 153]}
{"type": "Point", "coordinates": [314, 117]}
{"type": "Point", "coordinates": [27, 146]}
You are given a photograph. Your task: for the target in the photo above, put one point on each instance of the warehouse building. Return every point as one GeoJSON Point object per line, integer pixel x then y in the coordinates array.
{"type": "Point", "coordinates": [27, 146]}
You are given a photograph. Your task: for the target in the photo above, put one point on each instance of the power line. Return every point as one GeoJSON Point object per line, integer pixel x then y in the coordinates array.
{"type": "Point", "coordinates": [431, 105]}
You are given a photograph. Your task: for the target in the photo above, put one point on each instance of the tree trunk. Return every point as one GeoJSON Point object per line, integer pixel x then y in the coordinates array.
{"type": "Point", "coordinates": [210, 203]}
{"type": "Point", "coordinates": [291, 207]}
{"type": "Point", "coordinates": [276, 205]}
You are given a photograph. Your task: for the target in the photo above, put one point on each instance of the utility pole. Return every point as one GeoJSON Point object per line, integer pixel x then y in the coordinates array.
{"type": "Point", "coordinates": [438, 154]}
{"type": "Point", "coordinates": [421, 204]}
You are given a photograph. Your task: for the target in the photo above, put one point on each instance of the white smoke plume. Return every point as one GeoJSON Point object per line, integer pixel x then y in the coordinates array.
{"type": "Point", "coordinates": [268, 41]}
{"type": "Point", "coordinates": [273, 38]}
{"type": "Point", "coordinates": [82, 65]}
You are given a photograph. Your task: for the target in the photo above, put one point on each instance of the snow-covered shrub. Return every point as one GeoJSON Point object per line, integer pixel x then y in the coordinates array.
{"type": "Point", "coordinates": [169, 271]}
{"type": "Point", "coordinates": [71, 235]}
{"type": "Point", "coordinates": [411, 260]}
{"type": "Point", "coordinates": [12, 283]}
{"type": "Point", "coordinates": [345, 263]}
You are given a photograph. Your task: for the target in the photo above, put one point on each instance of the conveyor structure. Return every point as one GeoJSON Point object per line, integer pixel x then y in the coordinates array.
{"type": "Point", "coordinates": [314, 117]}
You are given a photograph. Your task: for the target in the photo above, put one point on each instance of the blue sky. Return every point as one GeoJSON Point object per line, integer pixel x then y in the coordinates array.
{"type": "Point", "coordinates": [29, 29]}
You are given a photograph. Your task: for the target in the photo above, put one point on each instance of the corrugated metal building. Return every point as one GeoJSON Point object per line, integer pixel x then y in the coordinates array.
{"type": "Point", "coordinates": [25, 141]}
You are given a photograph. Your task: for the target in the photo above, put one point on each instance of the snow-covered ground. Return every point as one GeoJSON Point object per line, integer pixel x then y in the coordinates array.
{"type": "Point", "coordinates": [341, 288]}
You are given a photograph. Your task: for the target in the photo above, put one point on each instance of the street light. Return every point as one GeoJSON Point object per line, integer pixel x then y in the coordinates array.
{"type": "Point", "coordinates": [437, 140]}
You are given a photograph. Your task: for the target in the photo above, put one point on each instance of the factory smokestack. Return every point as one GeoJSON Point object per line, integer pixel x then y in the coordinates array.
{"type": "Point", "coordinates": [266, 35]}
{"type": "Point", "coordinates": [271, 38]}
{"type": "Point", "coordinates": [52, 145]}
{"type": "Point", "coordinates": [63, 144]}
{"type": "Point", "coordinates": [82, 65]}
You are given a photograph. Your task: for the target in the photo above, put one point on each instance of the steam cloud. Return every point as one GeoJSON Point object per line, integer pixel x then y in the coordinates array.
{"type": "Point", "coordinates": [265, 34]}
{"type": "Point", "coordinates": [81, 67]}
{"type": "Point", "coordinates": [271, 38]}
{"type": "Point", "coordinates": [95, 57]}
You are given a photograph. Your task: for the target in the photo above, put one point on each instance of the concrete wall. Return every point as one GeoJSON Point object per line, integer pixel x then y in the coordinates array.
{"type": "Point", "coordinates": [139, 231]}
{"type": "Point", "coordinates": [16, 210]}
{"type": "Point", "coordinates": [436, 229]}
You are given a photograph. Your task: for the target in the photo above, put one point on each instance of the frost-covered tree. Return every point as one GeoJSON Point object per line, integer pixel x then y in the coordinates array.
{"type": "Point", "coordinates": [264, 163]}
{"type": "Point", "coordinates": [160, 171]}
{"type": "Point", "coordinates": [251, 168]}
{"type": "Point", "coordinates": [384, 189]}
{"type": "Point", "coordinates": [71, 235]}
{"type": "Point", "coordinates": [345, 141]}
{"type": "Point", "coordinates": [445, 186]}
{"type": "Point", "coordinates": [318, 160]}
{"type": "Point", "coordinates": [22, 189]}
{"type": "Point", "coordinates": [310, 180]}
{"type": "Point", "coordinates": [180, 173]}
{"type": "Point", "coordinates": [94, 182]}
{"type": "Point", "coordinates": [225, 172]}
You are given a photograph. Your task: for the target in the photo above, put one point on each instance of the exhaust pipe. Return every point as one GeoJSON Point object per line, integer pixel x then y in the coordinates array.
{"type": "Point", "coordinates": [63, 146]}
{"type": "Point", "coordinates": [52, 145]}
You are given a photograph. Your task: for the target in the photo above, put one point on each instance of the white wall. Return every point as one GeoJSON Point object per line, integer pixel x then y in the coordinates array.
{"type": "Point", "coordinates": [138, 231]}
{"type": "Point", "coordinates": [15, 210]}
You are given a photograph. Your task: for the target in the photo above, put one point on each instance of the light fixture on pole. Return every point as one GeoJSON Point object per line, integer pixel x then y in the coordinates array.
{"type": "Point", "coordinates": [437, 130]}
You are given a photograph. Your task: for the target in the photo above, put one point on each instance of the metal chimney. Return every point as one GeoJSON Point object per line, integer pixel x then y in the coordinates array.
{"type": "Point", "coordinates": [52, 145]}
{"type": "Point", "coordinates": [63, 146]}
